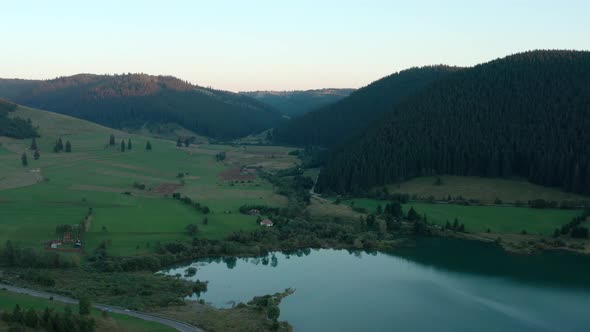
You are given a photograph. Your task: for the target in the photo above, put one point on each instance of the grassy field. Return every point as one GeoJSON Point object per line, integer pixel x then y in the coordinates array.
{"type": "Point", "coordinates": [59, 188]}
{"type": "Point", "coordinates": [499, 219]}
{"type": "Point", "coordinates": [115, 322]}
{"type": "Point", "coordinates": [484, 189]}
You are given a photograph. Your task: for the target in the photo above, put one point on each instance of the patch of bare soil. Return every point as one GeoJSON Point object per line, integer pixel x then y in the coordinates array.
{"type": "Point", "coordinates": [130, 175]}
{"type": "Point", "coordinates": [237, 174]}
{"type": "Point", "coordinates": [135, 168]}
{"type": "Point", "coordinates": [167, 188]}
{"type": "Point", "coordinates": [85, 187]}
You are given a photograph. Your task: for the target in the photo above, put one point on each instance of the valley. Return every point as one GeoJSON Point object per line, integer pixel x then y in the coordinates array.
{"type": "Point", "coordinates": [435, 191]}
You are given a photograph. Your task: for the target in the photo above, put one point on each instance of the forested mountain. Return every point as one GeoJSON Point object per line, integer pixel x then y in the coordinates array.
{"type": "Point", "coordinates": [524, 115]}
{"type": "Point", "coordinates": [13, 126]}
{"type": "Point", "coordinates": [12, 88]}
{"type": "Point", "coordinates": [132, 100]}
{"type": "Point", "coordinates": [297, 103]}
{"type": "Point", "coordinates": [336, 122]}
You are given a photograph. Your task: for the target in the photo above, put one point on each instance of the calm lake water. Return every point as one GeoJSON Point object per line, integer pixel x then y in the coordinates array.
{"type": "Point", "coordinates": [440, 285]}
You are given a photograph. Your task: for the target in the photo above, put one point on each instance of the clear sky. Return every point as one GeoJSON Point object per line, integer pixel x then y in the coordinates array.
{"type": "Point", "coordinates": [277, 44]}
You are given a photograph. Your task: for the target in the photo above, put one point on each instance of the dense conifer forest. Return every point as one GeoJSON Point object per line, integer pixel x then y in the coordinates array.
{"type": "Point", "coordinates": [336, 122]}
{"type": "Point", "coordinates": [132, 100]}
{"type": "Point", "coordinates": [13, 126]}
{"type": "Point", "coordinates": [524, 115]}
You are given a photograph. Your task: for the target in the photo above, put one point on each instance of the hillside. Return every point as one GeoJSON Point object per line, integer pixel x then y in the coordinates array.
{"type": "Point", "coordinates": [62, 186]}
{"type": "Point", "coordinates": [297, 103]}
{"type": "Point", "coordinates": [524, 115]}
{"type": "Point", "coordinates": [339, 121]}
{"type": "Point", "coordinates": [134, 100]}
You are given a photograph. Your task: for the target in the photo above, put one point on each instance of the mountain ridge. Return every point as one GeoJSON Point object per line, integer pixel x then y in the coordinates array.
{"type": "Point", "coordinates": [131, 100]}
{"type": "Point", "coordinates": [337, 122]}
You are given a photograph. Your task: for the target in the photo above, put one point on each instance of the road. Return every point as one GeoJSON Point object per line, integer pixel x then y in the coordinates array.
{"type": "Point", "coordinates": [178, 325]}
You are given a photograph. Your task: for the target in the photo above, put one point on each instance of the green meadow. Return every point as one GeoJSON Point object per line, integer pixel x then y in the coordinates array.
{"type": "Point", "coordinates": [499, 219]}
{"type": "Point", "coordinates": [60, 188]}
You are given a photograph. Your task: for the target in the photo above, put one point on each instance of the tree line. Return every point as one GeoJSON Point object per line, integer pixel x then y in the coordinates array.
{"type": "Point", "coordinates": [14, 127]}
{"type": "Point", "coordinates": [50, 319]}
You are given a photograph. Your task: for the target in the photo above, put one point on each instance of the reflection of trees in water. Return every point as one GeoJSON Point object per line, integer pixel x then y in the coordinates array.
{"type": "Point", "coordinates": [230, 262]}
{"type": "Point", "coordinates": [478, 258]}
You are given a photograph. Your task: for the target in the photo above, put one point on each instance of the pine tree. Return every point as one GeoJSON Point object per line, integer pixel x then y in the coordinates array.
{"type": "Point", "coordinates": [112, 140]}
{"type": "Point", "coordinates": [60, 145]}
{"type": "Point", "coordinates": [84, 306]}
{"type": "Point", "coordinates": [413, 215]}
{"type": "Point", "coordinates": [187, 142]}
{"type": "Point", "coordinates": [123, 146]}
{"type": "Point", "coordinates": [179, 142]}
{"type": "Point", "coordinates": [33, 144]}
{"type": "Point", "coordinates": [24, 160]}
{"type": "Point", "coordinates": [17, 314]}
{"type": "Point", "coordinates": [31, 318]}
{"type": "Point", "coordinates": [148, 146]}
{"type": "Point", "coordinates": [68, 146]}
{"type": "Point", "coordinates": [36, 155]}
{"type": "Point", "coordinates": [129, 144]}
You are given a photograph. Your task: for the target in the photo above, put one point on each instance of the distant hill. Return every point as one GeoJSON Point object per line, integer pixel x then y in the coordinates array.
{"type": "Point", "coordinates": [297, 103]}
{"type": "Point", "coordinates": [335, 123]}
{"type": "Point", "coordinates": [525, 115]}
{"type": "Point", "coordinates": [132, 100]}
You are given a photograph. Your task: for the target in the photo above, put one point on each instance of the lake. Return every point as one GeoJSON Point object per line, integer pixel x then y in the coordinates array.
{"type": "Point", "coordinates": [439, 285]}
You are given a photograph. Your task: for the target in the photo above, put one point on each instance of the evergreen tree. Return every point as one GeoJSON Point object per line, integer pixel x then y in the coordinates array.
{"type": "Point", "coordinates": [129, 144]}
{"type": "Point", "coordinates": [24, 160]}
{"type": "Point", "coordinates": [112, 140]}
{"type": "Point", "coordinates": [17, 315]}
{"type": "Point", "coordinates": [60, 145]}
{"type": "Point", "coordinates": [31, 318]}
{"type": "Point", "coordinates": [179, 142]}
{"type": "Point", "coordinates": [33, 144]}
{"type": "Point", "coordinates": [148, 146]}
{"type": "Point", "coordinates": [68, 146]}
{"type": "Point", "coordinates": [85, 305]}
{"type": "Point", "coordinates": [122, 145]}
{"type": "Point", "coordinates": [36, 155]}
{"type": "Point", "coordinates": [187, 142]}
{"type": "Point", "coordinates": [413, 215]}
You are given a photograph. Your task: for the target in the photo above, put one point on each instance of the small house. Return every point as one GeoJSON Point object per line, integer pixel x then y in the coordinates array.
{"type": "Point", "coordinates": [54, 244]}
{"type": "Point", "coordinates": [267, 223]}
{"type": "Point", "coordinates": [78, 244]}
{"type": "Point", "coordinates": [254, 212]}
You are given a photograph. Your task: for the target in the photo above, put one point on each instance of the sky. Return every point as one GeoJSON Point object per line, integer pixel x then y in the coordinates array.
{"type": "Point", "coordinates": [244, 45]}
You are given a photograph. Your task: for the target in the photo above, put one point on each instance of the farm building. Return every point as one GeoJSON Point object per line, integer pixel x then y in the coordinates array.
{"type": "Point", "coordinates": [54, 244]}
{"type": "Point", "coordinates": [267, 223]}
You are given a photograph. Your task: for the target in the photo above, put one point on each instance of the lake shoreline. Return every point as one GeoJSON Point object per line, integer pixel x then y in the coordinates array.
{"type": "Point", "coordinates": [325, 269]}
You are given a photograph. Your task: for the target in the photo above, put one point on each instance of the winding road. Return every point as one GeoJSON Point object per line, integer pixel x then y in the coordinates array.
{"type": "Point", "coordinates": [178, 325]}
